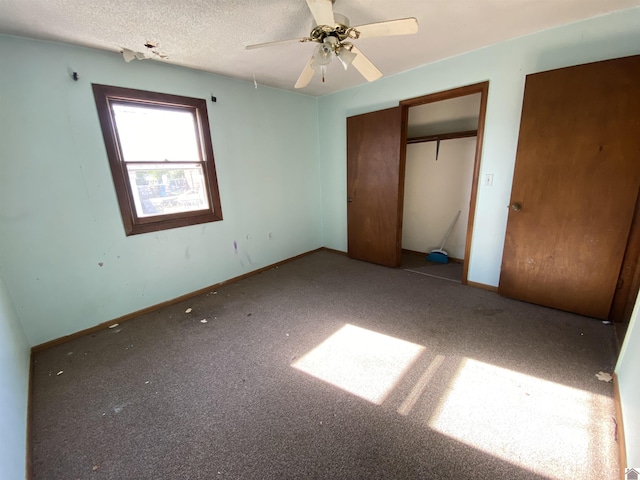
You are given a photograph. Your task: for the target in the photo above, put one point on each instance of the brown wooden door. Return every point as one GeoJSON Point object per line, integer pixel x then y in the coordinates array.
{"type": "Point", "coordinates": [376, 145]}
{"type": "Point", "coordinates": [575, 186]}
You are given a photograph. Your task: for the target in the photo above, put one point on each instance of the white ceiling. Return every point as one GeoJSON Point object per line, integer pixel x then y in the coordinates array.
{"type": "Point", "coordinates": [211, 35]}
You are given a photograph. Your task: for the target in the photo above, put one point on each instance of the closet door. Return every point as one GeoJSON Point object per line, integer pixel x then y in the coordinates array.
{"type": "Point", "coordinates": [376, 146]}
{"type": "Point", "coordinates": [575, 186]}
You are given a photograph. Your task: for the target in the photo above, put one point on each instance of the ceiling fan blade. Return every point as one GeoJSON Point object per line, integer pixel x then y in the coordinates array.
{"type": "Point", "coordinates": [322, 11]}
{"type": "Point", "coordinates": [364, 66]}
{"type": "Point", "coordinates": [278, 42]}
{"type": "Point", "coordinates": [306, 75]}
{"type": "Point", "coordinates": [402, 26]}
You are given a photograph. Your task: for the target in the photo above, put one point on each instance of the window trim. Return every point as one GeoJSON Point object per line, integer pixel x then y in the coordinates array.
{"type": "Point", "coordinates": [104, 95]}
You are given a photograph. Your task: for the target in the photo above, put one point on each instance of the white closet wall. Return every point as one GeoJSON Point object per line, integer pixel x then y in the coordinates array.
{"type": "Point", "coordinates": [434, 191]}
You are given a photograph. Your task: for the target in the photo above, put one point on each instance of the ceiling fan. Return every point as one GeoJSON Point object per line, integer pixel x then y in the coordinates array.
{"type": "Point", "coordinates": [334, 36]}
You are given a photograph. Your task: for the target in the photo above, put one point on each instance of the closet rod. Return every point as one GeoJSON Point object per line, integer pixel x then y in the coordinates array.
{"type": "Point", "coordinates": [443, 136]}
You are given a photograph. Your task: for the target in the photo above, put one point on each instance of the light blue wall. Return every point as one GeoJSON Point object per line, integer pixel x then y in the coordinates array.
{"type": "Point", "coordinates": [505, 66]}
{"type": "Point", "coordinates": [629, 387]}
{"type": "Point", "coordinates": [59, 217]}
{"type": "Point", "coordinates": [14, 382]}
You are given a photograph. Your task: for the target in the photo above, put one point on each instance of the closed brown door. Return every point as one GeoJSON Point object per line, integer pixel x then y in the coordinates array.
{"type": "Point", "coordinates": [575, 186]}
{"type": "Point", "coordinates": [376, 145]}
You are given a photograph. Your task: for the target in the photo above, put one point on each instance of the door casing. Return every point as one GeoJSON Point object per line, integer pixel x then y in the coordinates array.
{"type": "Point", "coordinates": [483, 89]}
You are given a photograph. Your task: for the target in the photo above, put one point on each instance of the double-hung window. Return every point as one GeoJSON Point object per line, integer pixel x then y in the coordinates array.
{"type": "Point", "coordinates": [161, 158]}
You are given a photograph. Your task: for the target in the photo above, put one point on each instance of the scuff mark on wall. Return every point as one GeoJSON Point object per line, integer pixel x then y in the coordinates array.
{"type": "Point", "coordinates": [235, 251]}
{"type": "Point", "coordinates": [246, 255]}
{"type": "Point", "coordinates": [86, 189]}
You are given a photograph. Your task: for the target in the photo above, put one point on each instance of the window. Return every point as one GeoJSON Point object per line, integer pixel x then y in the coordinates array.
{"type": "Point", "coordinates": [161, 157]}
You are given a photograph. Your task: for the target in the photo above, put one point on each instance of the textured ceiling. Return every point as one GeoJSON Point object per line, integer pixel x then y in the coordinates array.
{"type": "Point", "coordinates": [211, 35]}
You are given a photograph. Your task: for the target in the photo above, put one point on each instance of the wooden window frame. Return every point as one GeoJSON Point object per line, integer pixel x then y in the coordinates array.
{"type": "Point", "coordinates": [105, 96]}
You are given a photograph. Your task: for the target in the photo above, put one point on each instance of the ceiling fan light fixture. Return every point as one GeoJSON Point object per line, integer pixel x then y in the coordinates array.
{"type": "Point", "coordinates": [346, 56]}
{"type": "Point", "coordinates": [318, 68]}
{"type": "Point", "coordinates": [323, 54]}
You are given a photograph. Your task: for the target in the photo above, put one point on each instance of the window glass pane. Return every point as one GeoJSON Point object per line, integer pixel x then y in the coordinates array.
{"type": "Point", "coordinates": [150, 134]}
{"type": "Point", "coordinates": [161, 189]}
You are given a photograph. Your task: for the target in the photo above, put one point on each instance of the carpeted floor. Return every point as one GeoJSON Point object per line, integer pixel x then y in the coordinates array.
{"type": "Point", "coordinates": [416, 262]}
{"type": "Point", "coordinates": [330, 368]}
{"type": "Point", "coordinates": [450, 271]}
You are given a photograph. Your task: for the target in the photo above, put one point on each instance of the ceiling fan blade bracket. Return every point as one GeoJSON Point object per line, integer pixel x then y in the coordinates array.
{"type": "Point", "coordinates": [352, 33]}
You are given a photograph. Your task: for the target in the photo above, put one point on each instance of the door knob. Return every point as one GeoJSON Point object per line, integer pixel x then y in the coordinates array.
{"type": "Point", "coordinates": [349, 199]}
{"type": "Point", "coordinates": [516, 206]}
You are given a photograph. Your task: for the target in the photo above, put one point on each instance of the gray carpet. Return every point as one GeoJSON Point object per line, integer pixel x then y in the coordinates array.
{"type": "Point", "coordinates": [330, 368]}
{"type": "Point", "coordinates": [447, 271]}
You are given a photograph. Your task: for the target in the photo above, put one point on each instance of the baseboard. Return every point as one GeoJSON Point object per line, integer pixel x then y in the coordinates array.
{"type": "Point", "coordinates": [153, 308]}
{"type": "Point", "coordinates": [622, 448]}
{"type": "Point", "coordinates": [621, 332]}
{"type": "Point", "coordinates": [414, 252]}
{"type": "Point", "coordinates": [67, 338]}
{"type": "Point", "coordinates": [483, 286]}
{"type": "Point", "coordinates": [339, 252]}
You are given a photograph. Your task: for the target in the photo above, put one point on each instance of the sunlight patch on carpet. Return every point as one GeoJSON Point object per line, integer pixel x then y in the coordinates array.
{"type": "Point", "coordinates": [421, 386]}
{"type": "Point", "coordinates": [533, 423]}
{"type": "Point", "coordinates": [362, 362]}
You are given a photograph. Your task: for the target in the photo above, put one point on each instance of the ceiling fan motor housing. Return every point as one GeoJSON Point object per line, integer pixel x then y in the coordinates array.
{"type": "Point", "coordinates": [341, 31]}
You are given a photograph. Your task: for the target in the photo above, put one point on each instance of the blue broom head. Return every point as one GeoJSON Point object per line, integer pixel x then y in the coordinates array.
{"type": "Point", "coordinates": [438, 257]}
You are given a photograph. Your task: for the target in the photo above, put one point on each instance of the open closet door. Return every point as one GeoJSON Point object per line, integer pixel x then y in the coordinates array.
{"type": "Point", "coordinates": [376, 145]}
{"type": "Point", "coordinates": [575, 186]}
